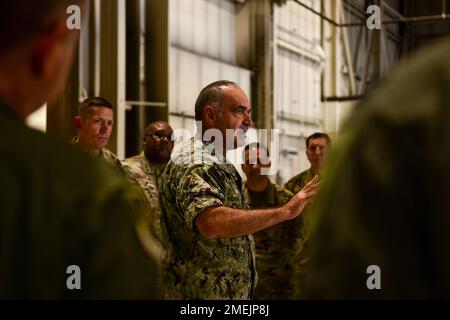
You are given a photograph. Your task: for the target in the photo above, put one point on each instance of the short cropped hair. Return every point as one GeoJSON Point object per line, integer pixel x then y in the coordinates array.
{"type": "Point", "coordinates": [318, 135]}
{"type": "Point", "coordinates": [83, 110]}
{"type": "Point", "coordinates": [211, 95]}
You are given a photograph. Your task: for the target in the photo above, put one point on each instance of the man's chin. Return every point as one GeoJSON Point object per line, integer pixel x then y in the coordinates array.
{"type": "Point", "coordinates": [165, 155]}
{"type": "Point", "coordinates": [101, 145]}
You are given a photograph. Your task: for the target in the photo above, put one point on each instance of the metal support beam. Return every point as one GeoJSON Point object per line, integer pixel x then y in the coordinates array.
{"type": "Point", "coordinates": [133, 32]}
{"type": "Point", "coordinates": [260, 53]}
{"type": "Point", "coordinates": [297, 119]}
{"type": "Point", "coordinates": [61, 111]}
{"type": "Point", "coordinates": [343, 98]}
{"type": "Point", "coordinates": [89, 60]}
{"type": "Point", "coordinates": [146, 104]}
{"type": "Point", "coordinates": [347, 53]}
{"type": "Point", "coordinates": [362, 89]}
{"type": "Point", "coordinates": [322, 16]}
{"type": "Point", "coordinates": [156, 58]}
{"type": "Point", "coordinates": [135, 88]}
{"type": "Point", "coordinates": [112, 68]}
{"type": "Point", "coordinates": [419, 19]}
{"type": "Point", "coordinates": [300, 51]}
{"type": "Point", "coordinates": [182, 115]}
{"type": "Point", "coordinates": [332, 74]}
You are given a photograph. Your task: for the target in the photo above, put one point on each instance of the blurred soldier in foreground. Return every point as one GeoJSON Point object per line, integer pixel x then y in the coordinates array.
{"type": "Point", "coordinates": [58, 206]}
{"type": "Point", "coordinates": [384, 211]}
{"type": "Point", "coordinates": [317, 147]}
{"type": "Point", "coordinates": [274, 245]}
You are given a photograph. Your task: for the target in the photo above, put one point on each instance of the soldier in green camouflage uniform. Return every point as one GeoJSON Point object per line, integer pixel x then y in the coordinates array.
{"type": "Point", "coordinates": [111, 158]}
{"type": "Point", "coordinates": [94, 124]}
{"type": "Point", "coordinates": [274, 245]}
{"type": "Point", "coordinates": [317, 146]}
{"type": "Point", "coordinates": [203, 210]}
{"type": "Point", "coordinates": [146, 169]}
{"type": "Point", "coordinates": [106, 155]}
{"type": "Point", "coordinates": [385, 199]}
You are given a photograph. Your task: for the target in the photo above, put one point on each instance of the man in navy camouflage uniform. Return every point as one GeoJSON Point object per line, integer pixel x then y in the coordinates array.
{"type": "Point", "coordinates": [212, 253]}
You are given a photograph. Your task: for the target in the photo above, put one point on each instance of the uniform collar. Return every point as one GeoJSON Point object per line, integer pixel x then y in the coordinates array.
{"type": "Point", "coordinates": [208, 148]}
{"type": "Point", "coordinates": [75, 142]}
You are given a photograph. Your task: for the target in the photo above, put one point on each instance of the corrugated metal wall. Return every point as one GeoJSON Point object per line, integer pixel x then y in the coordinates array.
{"type": "Point", "coordinates": [359, 41]}
{"type": "Point", "coordinates": [202, 50]}
{"type": "Point", "coordinates": [297, 81]}
{"type": "Point", "coordinates": [302, 56]}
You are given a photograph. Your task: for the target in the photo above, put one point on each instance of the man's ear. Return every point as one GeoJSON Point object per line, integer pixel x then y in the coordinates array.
{"type": "Point", "coordinates": [209, 116]}
{"type": "Point", "coordinates": [48, 48]}
{"type": "Point", "coordinates": [77, 122]}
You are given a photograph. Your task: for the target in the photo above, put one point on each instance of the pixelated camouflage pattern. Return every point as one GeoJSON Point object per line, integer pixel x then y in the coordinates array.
{"type": "Point", "coordinates": [274, 246]}
{"type": "Point", "coordinates": [199, 268]}
{"type": "Point", "coordinates": [301, 256]}
{"type": "Point", "coordinates": [147, 176]}
{"type": "Point", "coordinates": [111, 158]}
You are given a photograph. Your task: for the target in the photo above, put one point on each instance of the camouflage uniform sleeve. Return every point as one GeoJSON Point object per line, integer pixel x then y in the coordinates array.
{"type": "Point", "coordinates": [284, 195]}
{"type": "Point", "coordinates": [197, 192]}
{"type": "Point", "coordinates": [290, 184]}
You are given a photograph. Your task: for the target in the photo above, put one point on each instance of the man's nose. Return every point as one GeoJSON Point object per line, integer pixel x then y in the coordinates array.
{"type": "Point", "coordinates": [164, 140]}
{"type": "Point", "coordinates": [248, 120]}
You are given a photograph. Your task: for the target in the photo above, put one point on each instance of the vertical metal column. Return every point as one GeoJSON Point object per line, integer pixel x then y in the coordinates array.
{"type": "Point", "coordinates": [332, 79]}
{"type": "Point", "coordinates": [112, 66]}
{"type": "Point", "coordinates": [133, 86]}
{"type": "Point", "coordinates": [61, 111]}
{"type": "Point", "coordinates": [376, 53]}
{"type": "Point", "coordinates": [157, 58]}
{"type": "Point", "coordinates": [260, 59]}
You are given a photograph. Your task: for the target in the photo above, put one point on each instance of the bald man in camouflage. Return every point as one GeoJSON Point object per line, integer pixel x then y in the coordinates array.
{"type": "Point", "coordinates": [208, 223]}
{"type": "Point", "coordinates": [146, 169]}
{"type": "Point", "coordinates": [59, 207]}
